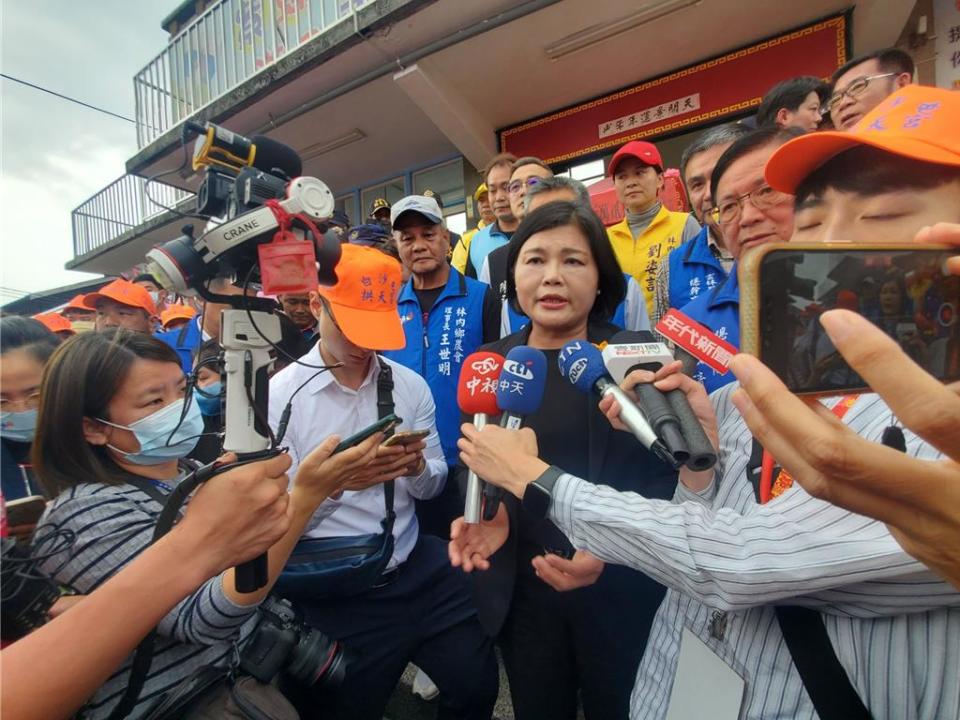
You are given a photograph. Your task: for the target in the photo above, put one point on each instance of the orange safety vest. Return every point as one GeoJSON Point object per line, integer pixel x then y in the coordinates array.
{"type": "Point", "coordinates": [641, 256]}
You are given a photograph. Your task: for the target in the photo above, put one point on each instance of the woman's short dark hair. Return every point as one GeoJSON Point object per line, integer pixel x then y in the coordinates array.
{"type": "Point", "coordinates": [771, 135]}
{"type": "Point", "coordinates": [868, 171]}
{"type": "Point", "coordinates": [22, 333]}
{"type": "Point", "coordinates": [79, 382]}
{"type": "Point", "coordinates": [611, 284]}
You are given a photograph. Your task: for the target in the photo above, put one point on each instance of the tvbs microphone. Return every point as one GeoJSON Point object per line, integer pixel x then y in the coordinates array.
{"type": "Point", "coordinates": [477, 396]}
{"type": "Point", "coordinates": [519, 393]}
{"type": "Point", "coordinates": [669, 413]}
{"type": "Point", "coordinates": [582, 364]}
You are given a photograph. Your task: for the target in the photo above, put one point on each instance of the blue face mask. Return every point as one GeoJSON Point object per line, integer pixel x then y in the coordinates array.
{"type": "Point", "coordinates": [153, 432]}
{"type": "Point", "coordinates": [209, 406]}
{"type": "Point", "coordinates": [19, 426]}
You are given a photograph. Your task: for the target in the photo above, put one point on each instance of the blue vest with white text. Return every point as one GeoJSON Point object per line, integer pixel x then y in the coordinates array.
{"type": "Point", "coordinates": [718, 310]}
{"type": "Point", "coordinates": [694, 270]}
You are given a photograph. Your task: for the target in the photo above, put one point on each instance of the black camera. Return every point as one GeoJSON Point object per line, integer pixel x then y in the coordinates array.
{"type": "Point", "coordinates": [281, 642]}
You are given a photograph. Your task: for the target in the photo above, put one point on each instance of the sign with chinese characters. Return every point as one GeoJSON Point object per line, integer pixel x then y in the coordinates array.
{"type": "Point", "coordinates": [946, 22]}
{"type": "Point", "coordinates": [720, 87]}
{"type": "Point", "coordinates": [648, 116]}
{"type": "Point", "coordinates": [697, 340]}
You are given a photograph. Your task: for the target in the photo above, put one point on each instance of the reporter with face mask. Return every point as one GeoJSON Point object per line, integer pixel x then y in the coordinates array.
{"type": "Point", "coordinates": [25, 347]}
{"type": "Point", "coordinates": [114, 424]}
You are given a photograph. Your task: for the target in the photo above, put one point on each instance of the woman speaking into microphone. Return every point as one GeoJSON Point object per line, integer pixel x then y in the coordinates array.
{"type": "Point", "coordinates": [568, 626]}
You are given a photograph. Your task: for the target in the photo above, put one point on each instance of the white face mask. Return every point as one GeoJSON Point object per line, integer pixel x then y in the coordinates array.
{"type": "Point", "coordinates": [163, 435]}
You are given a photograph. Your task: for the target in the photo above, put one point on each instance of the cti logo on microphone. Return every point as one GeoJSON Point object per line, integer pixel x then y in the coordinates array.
{"type": "Point", "coordinates": [518, 369]}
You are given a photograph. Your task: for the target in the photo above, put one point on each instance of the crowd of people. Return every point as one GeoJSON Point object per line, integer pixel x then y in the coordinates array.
{"type": "Point", "coordinates": [636, 589]}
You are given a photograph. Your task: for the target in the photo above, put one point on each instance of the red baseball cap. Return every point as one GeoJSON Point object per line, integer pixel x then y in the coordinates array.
{"type": "Point", "coordinates": [364, 300]}
{"type": "Point", "coordinates": [645, 152]}
{"type": "Point", "coordinates": [123, 292]}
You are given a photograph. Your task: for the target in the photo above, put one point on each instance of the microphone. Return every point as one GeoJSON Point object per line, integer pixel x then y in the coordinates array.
{"type": "Point", "coordinates": [477, 396]}
{"type": "Point", "coordinates": [519, 393]}
{"type": "Point", "coordinates": [218, 146]}
{"type": "Point", "coordinates": [629, 351]}
{"type": "Point", "coordinates": [582, 364]}
{"type": "Point", "coordinates": [271, 155]}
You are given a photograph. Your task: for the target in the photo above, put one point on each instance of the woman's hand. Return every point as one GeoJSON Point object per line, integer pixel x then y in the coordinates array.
{"type": "Point", "coordinates": [236, 515]}
{"type": "Point", "coordinates": [505, 458]}
{"type": "Point", "coordinates": [322, 474]}
{"type": "Point", "coordinates": [471, 545]}
{"type": "Point", "coordinates": [918, 499]}
{"type": "Point", "coordinates": [562, 575]}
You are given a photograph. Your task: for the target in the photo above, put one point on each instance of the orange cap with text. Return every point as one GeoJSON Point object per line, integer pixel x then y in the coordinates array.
{"type": "Point", "coordinates": [55, 322]}
{"type": "Point", "coordinates": [917, 121]}
{"type": "Point", "coordinates": [176, 312]}
{"type": "Point", "coordinates": [364, 300]}
{"type": "Point", "coordinates": [123, 292]}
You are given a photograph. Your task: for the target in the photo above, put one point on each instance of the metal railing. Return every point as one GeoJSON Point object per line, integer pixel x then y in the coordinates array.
{"type": "Point", "coordinates": [226, 45]}
{"type": "Point", "coordinates": [119, 207]}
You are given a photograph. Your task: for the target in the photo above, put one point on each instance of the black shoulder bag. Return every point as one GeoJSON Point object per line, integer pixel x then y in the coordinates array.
{"type": "Point", "coordinates": [344, 566]}
{"type": "Point", "coordinates": [824, 678]}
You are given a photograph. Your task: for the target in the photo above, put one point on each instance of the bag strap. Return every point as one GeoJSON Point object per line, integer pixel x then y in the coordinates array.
{"type": "Point", "coordinates": [824, 678]}
{"type": "Point", "coordinates": [385, 406]}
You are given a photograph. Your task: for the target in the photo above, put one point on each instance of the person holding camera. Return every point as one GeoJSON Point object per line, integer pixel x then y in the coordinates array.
{"type": "Point", "coordinates": [401, 602]}
{"type": "Point", "coordinates": [801, 608]}
{"type": "Point", "coordinates": [115, 422]}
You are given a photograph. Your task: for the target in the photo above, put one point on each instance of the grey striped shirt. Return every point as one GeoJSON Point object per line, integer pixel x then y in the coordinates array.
{"type": "Point", "coordinates": [894, 625]}
{"type": "Point", "coordinates": [113, 524]}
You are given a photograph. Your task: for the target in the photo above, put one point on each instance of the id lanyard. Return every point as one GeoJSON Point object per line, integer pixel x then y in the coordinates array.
{"type": "Point", "coordinates": [770, 488]}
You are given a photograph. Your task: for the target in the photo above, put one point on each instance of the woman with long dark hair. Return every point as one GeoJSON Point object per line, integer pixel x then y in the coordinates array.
{"type": "Point", "coordinates": [115, 424]}
{"type": "Point", "coordinates": [586, 642]}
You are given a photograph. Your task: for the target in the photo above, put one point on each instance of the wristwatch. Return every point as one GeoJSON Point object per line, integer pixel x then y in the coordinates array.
{"type": "Point", "coordinates": [538, 495]}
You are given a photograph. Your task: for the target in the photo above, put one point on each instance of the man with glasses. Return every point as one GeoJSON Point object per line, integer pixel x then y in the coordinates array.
{"type": "Point", "coordinates": [864, 82]}
{"type": "Point", "coordinates": [497, 176]}
{"type": "Point", "coordinates": [750, 213]}
{"type": "Point", "coordinates": [527, 172]}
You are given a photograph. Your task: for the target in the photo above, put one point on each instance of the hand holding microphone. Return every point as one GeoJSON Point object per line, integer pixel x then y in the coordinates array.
{"type": "Point", "coordinates": [477, 396]}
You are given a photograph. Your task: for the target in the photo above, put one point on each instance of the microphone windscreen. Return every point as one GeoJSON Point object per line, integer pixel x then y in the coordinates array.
{"type": "Point", "coordinates": [522, 381]}
{"type": "Point", "coordinates": [581, 363]}
{"type": "Point", "coordinates": [272, 154]}
{"type": "Point", "coordinates": [477, 386]}
{"type": "Point", "coordinates": [630, 337]}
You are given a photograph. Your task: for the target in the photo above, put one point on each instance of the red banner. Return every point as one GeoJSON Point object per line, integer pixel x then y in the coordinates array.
{"type": "Point", "coordinates": [701, 94]}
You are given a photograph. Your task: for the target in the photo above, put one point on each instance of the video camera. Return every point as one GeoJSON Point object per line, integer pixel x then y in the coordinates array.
{"type": "Point", "coordinates": [267, 225]}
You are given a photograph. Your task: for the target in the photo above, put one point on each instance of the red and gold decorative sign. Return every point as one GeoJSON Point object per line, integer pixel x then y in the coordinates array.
{"type": "Point", "coordinates": [701, 94]}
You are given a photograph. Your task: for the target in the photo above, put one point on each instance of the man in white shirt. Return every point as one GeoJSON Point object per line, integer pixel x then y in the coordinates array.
{"type": "Point", "coordinates": [421, 610]}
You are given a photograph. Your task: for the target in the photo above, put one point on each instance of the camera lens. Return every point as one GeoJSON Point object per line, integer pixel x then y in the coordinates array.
{"type": "Point", "coordinates": [317, 658]}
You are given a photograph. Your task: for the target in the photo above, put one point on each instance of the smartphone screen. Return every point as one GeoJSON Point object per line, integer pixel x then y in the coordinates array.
{"type": "Point", "coordinates": [903, 292]}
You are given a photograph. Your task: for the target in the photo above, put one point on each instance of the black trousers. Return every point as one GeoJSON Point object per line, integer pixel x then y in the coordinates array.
{"type": "Point", "coordinates": [586, 642]}
{"type": "Point", "coordinates": [426, 617]}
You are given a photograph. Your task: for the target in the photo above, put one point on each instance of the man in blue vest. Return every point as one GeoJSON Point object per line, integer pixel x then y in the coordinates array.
{"type": "Point", "coordinates": [702, 263]}
{"type": "Point", "coordinates": [750, 213]}
{"type": "Point", "coordinates": [445, 317]}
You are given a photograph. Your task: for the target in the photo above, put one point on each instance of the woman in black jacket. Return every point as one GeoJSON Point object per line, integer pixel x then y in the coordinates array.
{"type": "Point", "coordinates": [563, 275]}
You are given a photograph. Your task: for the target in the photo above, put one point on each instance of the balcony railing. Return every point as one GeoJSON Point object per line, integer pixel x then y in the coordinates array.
{"type": "Point", "coordinates": [119, 207]}
{"type": "Point", "coordinates": [226, 45]}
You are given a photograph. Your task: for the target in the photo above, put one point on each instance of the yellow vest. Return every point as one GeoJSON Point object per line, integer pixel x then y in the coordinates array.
{"type": "Point", "coordinates": [641, 257]}
{"type": "Point", "coordinates": [461, 253]}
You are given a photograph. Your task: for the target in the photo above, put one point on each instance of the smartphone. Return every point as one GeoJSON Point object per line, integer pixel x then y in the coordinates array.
{"type": "Point", "coordinates": [405, 437]}
{"type": "Point", "coordinates": [382, 425]}
{"type": "Point", "coordinates": [903, 289]}
{"type": "Point", "coordinates": [25, 511]}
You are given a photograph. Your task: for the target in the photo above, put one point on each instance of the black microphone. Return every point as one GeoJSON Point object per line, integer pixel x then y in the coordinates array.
{"type": "Point", "coordinates": [629, 351]}
{"type": "Point", "coordinates": [272, 156]}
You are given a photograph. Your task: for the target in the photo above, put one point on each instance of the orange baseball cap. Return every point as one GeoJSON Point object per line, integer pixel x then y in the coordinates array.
{"type": "Point", "coordinates": [123, 292]}
{"type": "Point", "coordinates": [55, 322]}
{"type": "Point", "coordinates": [364, 300]}
{"type": "Point", "coordinates": [176, 312]}
{"type": "Point", "coordinates": [917, 122]}
{"type": "Point", "coordinates": [76, 303]}
{"type": "Point", "coordinates": [645, 152]}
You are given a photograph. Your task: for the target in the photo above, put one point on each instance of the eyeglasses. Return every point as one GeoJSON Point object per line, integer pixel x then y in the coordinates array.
{"type": "Point", "coordinates": [763, 198]}
{"type": "Point", "coordinates": [514, 187]}
{"type": "Point", "coordinates": [852, 90]}
{"type": "Point", "coordinates": [30, 402]}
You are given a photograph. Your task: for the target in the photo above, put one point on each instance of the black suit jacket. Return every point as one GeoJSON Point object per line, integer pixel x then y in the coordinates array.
{"type": "Point", "coordinates": [616, 459]}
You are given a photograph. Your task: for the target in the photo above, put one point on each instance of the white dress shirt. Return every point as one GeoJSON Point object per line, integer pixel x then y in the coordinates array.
{"type": "Point", "coordinates": [894, 625]}
{"type": "Point", "coordinates": [324, 407]}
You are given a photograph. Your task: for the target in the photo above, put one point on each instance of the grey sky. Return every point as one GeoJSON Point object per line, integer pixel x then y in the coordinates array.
{"type": "Point", "coordinates": [55, 154]}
